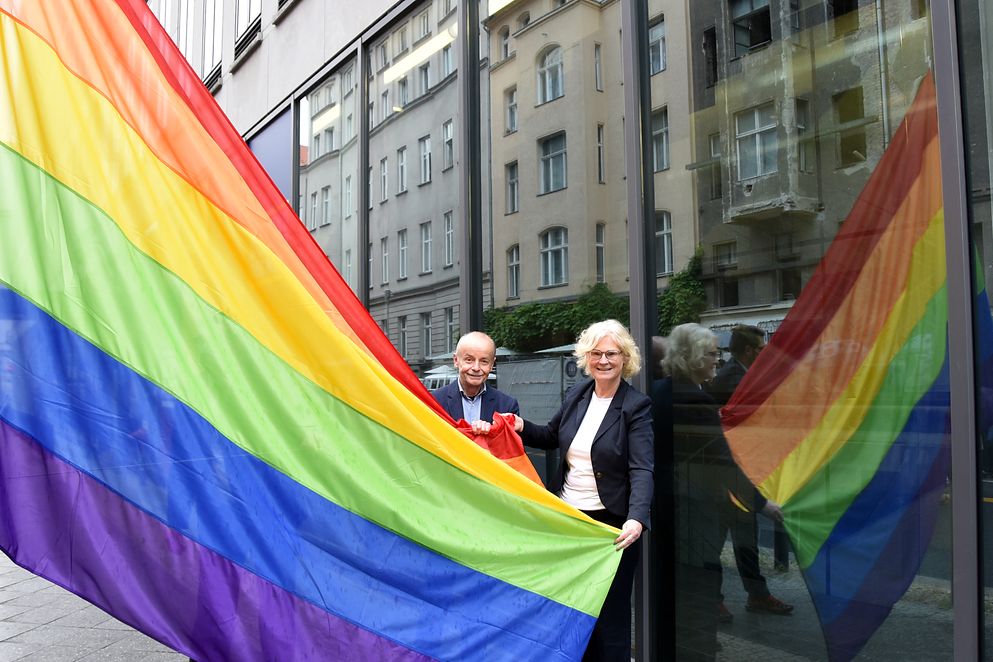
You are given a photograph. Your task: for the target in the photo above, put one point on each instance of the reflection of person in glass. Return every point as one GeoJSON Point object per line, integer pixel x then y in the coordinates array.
{"type": "Point", "coordinates": [745, 344]}
{"type": "Point", "coordinates": [704, 475]}
{"type": "Point", "coordinates": [604, 434]}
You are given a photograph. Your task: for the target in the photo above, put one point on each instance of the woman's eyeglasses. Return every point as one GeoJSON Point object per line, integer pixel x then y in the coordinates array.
{"type": "Point", "coordinates": [595, 355]}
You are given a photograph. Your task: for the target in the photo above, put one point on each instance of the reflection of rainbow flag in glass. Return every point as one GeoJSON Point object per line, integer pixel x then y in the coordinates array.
{"type": "Point", "coordinates": [201, 430]}
{"type": "Point", "coordinates": [844, 418]}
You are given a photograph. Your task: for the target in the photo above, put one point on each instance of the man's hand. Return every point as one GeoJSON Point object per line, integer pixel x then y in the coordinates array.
{"type": "Point", "coordinates": [772, 510]}
{"type": "Point", "coordinates": [518, 423]}
{"type": "Point", "coordinates": [480, 427]}
{"type": "Point", "coordinates": [630, 532]}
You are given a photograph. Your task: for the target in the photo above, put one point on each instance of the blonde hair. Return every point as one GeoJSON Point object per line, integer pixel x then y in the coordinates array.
{"type": "Point", "coordinates": [617, 332]}
{"type": "Point", "coordinates": [687, 350]}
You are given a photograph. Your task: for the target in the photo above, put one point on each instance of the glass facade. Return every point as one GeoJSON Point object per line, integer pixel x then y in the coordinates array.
{"type": "Point", "coordinates": [770, 164]}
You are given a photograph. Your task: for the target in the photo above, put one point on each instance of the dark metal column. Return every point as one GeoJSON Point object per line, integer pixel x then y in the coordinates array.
{"type": "Point", "coordinates": [362, 215]}
{"type": "Point", "coordinates": [966, 584]}
{"type": "Point", "coordinates": [641, 265]}
{"type": "Point", "coordinates": [470, 171]}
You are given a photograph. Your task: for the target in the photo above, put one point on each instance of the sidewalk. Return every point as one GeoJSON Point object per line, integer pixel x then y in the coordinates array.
{"type": "Point", "coordinates": [41, 622]}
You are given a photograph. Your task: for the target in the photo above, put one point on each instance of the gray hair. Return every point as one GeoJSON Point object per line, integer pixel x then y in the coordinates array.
{"type": "Point", "coordinates": [687, 350]}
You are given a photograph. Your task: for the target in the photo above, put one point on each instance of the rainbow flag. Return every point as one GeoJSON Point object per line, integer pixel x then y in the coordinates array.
{"type": "Point", "coordinates": [844, 418]}
{"type": "Point", "coordinates": [201, 430]}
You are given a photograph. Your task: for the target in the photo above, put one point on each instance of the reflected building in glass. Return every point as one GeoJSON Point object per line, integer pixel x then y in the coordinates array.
{"type": "Point", "coordinates": [793, 105]}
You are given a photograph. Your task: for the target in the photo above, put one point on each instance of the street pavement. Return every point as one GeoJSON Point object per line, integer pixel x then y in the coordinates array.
{"type": "Point", "coordinates": [42, 622]}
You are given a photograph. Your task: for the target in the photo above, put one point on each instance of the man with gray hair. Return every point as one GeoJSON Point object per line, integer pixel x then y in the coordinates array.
{"type": "Point", "coordinates": [469, 397]}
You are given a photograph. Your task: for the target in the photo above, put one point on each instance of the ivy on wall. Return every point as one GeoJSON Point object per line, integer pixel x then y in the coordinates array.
{"type": "Point", "coordinates": [538, 325]}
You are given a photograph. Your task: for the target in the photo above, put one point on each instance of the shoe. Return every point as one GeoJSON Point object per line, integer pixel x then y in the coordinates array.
{"type": "Point", "coordinates": [769, 605]}
{"type": "Point", "coordinates": [723, 615]}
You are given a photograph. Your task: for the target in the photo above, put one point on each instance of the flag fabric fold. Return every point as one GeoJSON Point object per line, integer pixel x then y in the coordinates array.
{"type": "Point", "coordinates": [844, 417]}
{"type": "Point", "coordinates": [201, 429]}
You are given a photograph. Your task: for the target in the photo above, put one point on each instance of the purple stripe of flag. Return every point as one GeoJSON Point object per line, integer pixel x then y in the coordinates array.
{"type": "Point", "coordinates": [63, 525]}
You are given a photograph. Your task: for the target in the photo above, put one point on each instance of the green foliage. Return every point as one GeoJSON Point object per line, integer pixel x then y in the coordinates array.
{"type": "Point", "coordinates": [684, 299]}
{"type": "Point", "coordinates": [538, 325]}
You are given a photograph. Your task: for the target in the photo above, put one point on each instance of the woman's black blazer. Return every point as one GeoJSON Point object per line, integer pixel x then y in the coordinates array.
{"type": "Point", "coordinates": [623, 452]}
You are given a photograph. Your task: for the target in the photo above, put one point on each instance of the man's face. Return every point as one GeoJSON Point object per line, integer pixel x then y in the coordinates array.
{"type": "Point", "coordinates": [474, 361]}
{"type": "Point", "coordinates": [752, 353]}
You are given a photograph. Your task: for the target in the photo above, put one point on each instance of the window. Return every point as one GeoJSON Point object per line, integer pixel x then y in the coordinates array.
{"type": "Point", "coordinates": [447, 64]}
{"type": "Point", "coordinates": [325, 205]}
{"type": "Point", "coordinates": [804, 140]}
{"type": "Point", "coordinates": [785, 247]}
{"type": "Point", "coordinates": [918, 9]}
{"type": "Point", "coordinates": [384, 186]}
{"type": "Point", "coordinates": [789, 284]}
{"type": "Point", "coordinates": [402, 340]}
{"type": "Point", "coordinates": [553, 164]}
{"type": "Point", "coordinates": [246, 13]}
{"type": "Point", "coordinates": [329, 138]}
{"type": "Point", "coordinates": [504, 43]}
{"type": "Point", "coordinates": [348, 265]}
{"type": "Point", "coordinates": [422, 26]}
{"type": "Point", "coordinates": [424, 149]}
{"type": "Point", "coordinates": [514, 272]}
{"type": "Point", "coordinates": [384, 250]}
{"type": "Point", "coordinates": [601, 159]}
{"type": "Point", "coordinates": [727, 291]}
{"type": "Point", "coordinates": [329, 93]}
{"type": "Point", "coordinates": [316, 147]}
{"type": "Point", "coordinates": [656, 46]}
{"type": "Point", "coordinates": [601, 255]}
{"type": "Point", "coordinates": [660, 139]}
{"type": "Point", "coordinates": [598, 67]}
{"type": "Point", "coordinates": [426, 247]}
{"type": "Point", "coordinates": [716, 187]}
{"type": "Point", "coordinates": [512, 200]}
{"type": "Point", "coordinates": [844, 17]}
{"type": "Point", "coordinates": [402, 95]}
{"type": "Point", "coordinates": [402, 254]}
{"type": "Point", "coordinates": [384, 56]}
{"type": "Point", "coordinates": [451, 331]}
{"type": "Point", "coordinates": [401, 170]}
{"type": "Point", "coordinates": [312, 221]}
{"type": "Point", "coordinates": [726, 254]}
{"type": "Point", "coordinates": [756, 141]}
{"type": "Point", "coordinates": [849, 112]}
{"type": "Point", "coordinates": [348, 127]}
{"type": "Point", "coordinates": [425, 334]}
{"type": "Point", "coordinates": [372, 114]}
{"type": "Point", "coordinates": [424, 76]}
{"type": "Point", "coordinates": [523, 20]}
{"type": "Point", "coordinates": [550, 78]}
{"type": "Point", "coordinates": [663, 242]}
{"type": "Point", "coordinates": [368, 192]}
{"type": "Point", "coordinates": [449, 219]}
{"type": "Point", "coordinates": [384, 106]}
{"type": "Point", "coordinates": [447, 145]}
{"type": "Point", "coordinates": [399, 41]}
{"type": "Point", "coordinates": [710, 55]}
{"type": "Point", "coordinates": [510, 96]}
{"type": "Point", "coordinates": [346, 82]}
{"type": "Point", "coordinates": [554, 257]}
{"type": "Point", "coordinates": [751, 25]}
{"type": "Point", "coordinates": [347, 198]}
{"type": "Point", "coordinates": [369, 253]}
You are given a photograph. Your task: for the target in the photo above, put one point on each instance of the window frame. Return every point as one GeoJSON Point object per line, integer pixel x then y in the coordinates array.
{"type": "Point", "coordinates": [554, 257]}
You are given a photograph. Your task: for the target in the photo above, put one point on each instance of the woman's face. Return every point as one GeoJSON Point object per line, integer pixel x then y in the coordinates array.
{"type": "Point", "coordinates": [606, 361]}
{"type": "Point", "coordinates": [709, 369]}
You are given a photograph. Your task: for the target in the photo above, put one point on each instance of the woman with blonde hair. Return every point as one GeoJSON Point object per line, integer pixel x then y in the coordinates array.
{"type": "Point", "coordinates": [603, 431]}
